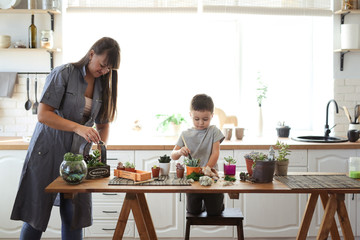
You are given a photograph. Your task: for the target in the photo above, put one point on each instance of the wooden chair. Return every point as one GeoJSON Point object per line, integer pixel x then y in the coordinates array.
{"type": "Point", "coordinates": [230, 216]}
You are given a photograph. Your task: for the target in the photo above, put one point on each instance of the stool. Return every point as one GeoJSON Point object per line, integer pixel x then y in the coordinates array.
{"type": "Point", "coordinates": [230, 216]}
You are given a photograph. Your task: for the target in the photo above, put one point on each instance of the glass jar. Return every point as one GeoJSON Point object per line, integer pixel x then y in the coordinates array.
{"type": "Point", "coordinates": [354, 167]}
{"type": "Point", "coordinates": [73, 172]}
{"type": "Point", "coordinates": [47, 39]}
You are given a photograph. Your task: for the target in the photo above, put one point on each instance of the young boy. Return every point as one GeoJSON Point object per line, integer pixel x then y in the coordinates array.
{"type": "Point", "coordinates": [203, 141]}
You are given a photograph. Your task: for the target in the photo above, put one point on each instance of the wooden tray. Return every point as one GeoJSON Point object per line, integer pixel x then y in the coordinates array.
{"type": "Point", "coordinates": [138, 175]}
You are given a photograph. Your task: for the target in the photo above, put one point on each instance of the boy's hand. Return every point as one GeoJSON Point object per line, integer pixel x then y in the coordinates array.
{"type": "Point", "coordinates": [184, 151]}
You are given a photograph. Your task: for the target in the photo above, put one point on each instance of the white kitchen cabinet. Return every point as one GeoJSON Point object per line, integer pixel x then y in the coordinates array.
{"type": "Point", "coordinates": [167, 209]}
{"type": "Point", "coordinates": [107, 206]}
{"type": "Point", "coordinates": [273, 215]}
{"type": "Point", "coordinates": [11, 163]}
{"type": "Point", "coordinates": [217, 231]}
{"type": "Point", "coordinates": [332, 161]}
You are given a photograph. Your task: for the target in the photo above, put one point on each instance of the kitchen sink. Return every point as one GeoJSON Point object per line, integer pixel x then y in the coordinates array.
{"type": "Point", "coordinates": [320, 139]}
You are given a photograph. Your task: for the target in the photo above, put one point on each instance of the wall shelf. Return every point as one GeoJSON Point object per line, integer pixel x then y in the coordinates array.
{"type": "Point", "coordinates": [342, 52]}
{"type": "Point", "coordinates": [29, 11]}
{"type": "Point", "coordinates": [34, 50]}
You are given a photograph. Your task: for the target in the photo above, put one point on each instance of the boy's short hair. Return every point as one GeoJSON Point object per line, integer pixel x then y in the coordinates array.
{"type": "Point", "coordinates": [202, 102]}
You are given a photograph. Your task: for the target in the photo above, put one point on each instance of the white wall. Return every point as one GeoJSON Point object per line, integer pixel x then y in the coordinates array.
{"type": "Point", "coordinates": [346, 82]}
{"type": "Point", "coordinates": [16, 121]}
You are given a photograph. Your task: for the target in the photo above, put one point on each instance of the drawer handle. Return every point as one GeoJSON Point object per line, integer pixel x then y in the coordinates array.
{"type": "Point", "coordinates": [111, 159]}
{"type": "Point", "coordinates": [110, 194]}
{"type": "Point", "coordinates": [109, 211]}
{"type": "Point", "coordinates": [108, 229]}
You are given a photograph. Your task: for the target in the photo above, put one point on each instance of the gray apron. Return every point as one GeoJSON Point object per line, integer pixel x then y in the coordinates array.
{"type": "Point", "coordinates": [64, 90]}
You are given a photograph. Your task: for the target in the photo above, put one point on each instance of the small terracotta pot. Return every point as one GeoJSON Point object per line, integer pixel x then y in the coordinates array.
{"type": "Point", "coordinates": [249, 163]}
{"type": "Point", "coordinates": [155, 172]}
{"type": "Point", "coordinates": [130, 169]}
{"type": "Point", "coordinates": [180, 173]}
{"type": "Point", "coordinates": [189, 170]}
{"type": "Point", "coordinates": [281, 168]}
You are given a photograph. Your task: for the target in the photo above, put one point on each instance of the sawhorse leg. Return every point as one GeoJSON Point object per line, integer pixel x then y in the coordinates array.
{"type": "Point", "coordinates": [137, 203]}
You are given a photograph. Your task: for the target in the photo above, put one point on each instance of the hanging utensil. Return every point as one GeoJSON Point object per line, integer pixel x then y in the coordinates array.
{"type": "Point", "coordinates": [347, 113]}
{"type": "Point", "coordinates": [36, 104]}
{"type": "Point", "coordinates": [28, 103]}
{"type": "Point", "coordinates": [189, 156]}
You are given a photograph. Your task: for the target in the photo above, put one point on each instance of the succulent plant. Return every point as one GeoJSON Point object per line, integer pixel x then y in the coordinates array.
{"type": "Point", "coordinates": [179, 166]}
{"type": "Point", "coordinates": [230, 160]}
{"type": "Point", "coordinates": [164, 159]}
{"type": "Point", "coordinates": [194, 162]}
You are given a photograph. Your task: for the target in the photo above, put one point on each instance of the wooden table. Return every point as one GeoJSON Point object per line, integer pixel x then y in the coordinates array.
{"type": "Point", "coordinates": [332, 200]}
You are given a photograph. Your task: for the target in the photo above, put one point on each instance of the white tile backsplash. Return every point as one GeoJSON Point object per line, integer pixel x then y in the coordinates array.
{"type": "Point", "coordinates": [14, 119]}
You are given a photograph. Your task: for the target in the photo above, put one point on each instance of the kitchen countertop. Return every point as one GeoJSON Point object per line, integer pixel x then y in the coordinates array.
{"type": "Point", "coordinates": [167, 143]}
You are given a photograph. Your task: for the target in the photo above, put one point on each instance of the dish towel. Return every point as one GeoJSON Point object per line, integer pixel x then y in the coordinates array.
{"type": "Point", "coordinates": [7, 83]}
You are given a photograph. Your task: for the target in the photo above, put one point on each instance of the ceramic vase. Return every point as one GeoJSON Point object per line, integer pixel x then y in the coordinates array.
{"type": "Point", "coordinates": [229, 169]}
{"type": "Point", "coordinates": [263, 171]}
{"type": "Point", "coordinates": [281, 168]}
{"type": "Point", "coordinates": [164, 169]}
{"type": "Point", "coordinates": [260, 123]}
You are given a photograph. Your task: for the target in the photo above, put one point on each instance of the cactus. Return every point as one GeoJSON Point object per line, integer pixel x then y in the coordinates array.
{"type": "Point", "coordinates": [164, 159]}
{"type": "Point", "coordinates": [192, 162]}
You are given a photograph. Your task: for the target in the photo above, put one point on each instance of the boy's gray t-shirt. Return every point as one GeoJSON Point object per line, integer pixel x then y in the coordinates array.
{"type": "Point", "coordinates": [200, 142]}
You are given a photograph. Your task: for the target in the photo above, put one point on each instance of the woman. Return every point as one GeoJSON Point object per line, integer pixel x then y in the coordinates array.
{"type": "Point", "coordinates": [75, 96]}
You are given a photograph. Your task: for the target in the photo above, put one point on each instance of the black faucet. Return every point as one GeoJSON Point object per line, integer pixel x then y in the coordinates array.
{"type": "Point", "coordinates": [327, 130]}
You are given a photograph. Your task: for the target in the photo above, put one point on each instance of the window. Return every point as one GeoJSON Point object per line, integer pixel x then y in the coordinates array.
{"type": "Point", "coordinates": [169, 57]}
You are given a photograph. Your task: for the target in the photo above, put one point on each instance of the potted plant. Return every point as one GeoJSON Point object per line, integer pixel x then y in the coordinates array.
{"type": "Point", "coordinates": [230, 167]}
{"type": "Point", "coordinates": [180, 170]}
{"type": "Point", "coordinates": [130, 167]}
{"type": "Point", "coordinates": [283, 130]}
{"type": "Point", "coordinates": [73, 169]}
{"type": "Point", "coordinates": [192, 165]}
{"type": "Point", "coordinates": [249, 160]}
{"type": "Point", "coordinates": [174, 120]}
{"type": "Point", "coordinates": [96, 161]}
{"type": "Point", "coordinates": [263, 169]}
{"type": "Point", "coordinates": [164, 163]}
{"type": "Point", "coordinates": [155, 171]}
{"type": "Point", "coordinates": [282, 162]}
{"type": "Point", "coordinates": [120, 166]}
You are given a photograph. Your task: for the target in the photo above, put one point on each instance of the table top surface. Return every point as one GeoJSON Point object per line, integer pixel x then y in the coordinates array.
{"type": "Point", "coordinates": [101, 185]}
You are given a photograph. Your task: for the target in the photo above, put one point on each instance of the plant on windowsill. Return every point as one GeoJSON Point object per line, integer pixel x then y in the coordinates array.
{"type": "Point", "coordinates": [261, 91]}
{"type": "Point", "coordinates": [230, 167]}
{"type": "Point", "coordinates": [283, 130]}
{"type": "Point", "coordinates": [282, 161]}
{"type": "Point", "coordinates": [164, 163]}
{"type": "Point", "coordinates": [174, 120]}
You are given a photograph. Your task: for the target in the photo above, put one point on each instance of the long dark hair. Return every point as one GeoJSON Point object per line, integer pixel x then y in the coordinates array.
{"type": "Point", "coordinates": [109, 96]}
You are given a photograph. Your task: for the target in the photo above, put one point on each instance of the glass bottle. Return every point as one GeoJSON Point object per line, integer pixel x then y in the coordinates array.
{"type": "Point", "coordinates": [354, 167]}
{"type": "Point", "coordinates": [32, 33]}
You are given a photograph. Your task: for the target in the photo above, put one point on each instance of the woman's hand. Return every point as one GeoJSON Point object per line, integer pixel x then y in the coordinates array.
{"type": "Point", "coordinates": [89, 133]}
